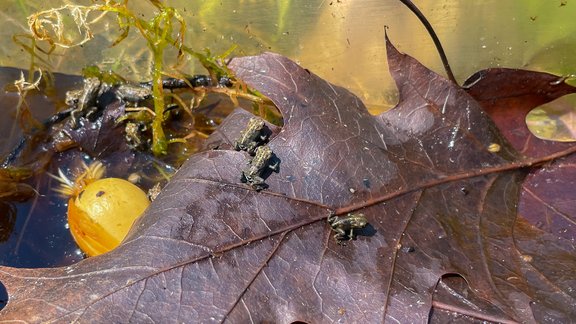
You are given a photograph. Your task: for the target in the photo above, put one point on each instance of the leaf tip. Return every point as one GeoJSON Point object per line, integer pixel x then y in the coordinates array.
{"type": "Point", "coordinates": [390, 49]}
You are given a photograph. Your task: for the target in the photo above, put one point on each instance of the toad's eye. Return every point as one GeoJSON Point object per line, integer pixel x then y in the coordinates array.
{"type": "Point", "coordinates": [102, 214]}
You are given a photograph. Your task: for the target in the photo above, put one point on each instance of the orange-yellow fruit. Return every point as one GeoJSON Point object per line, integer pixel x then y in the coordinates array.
{"type": "Point", "coordinates": [102, 214]}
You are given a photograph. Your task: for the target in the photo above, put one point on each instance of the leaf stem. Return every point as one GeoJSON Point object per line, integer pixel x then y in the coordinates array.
{"type": "Point", "coordinates": [435, 39]}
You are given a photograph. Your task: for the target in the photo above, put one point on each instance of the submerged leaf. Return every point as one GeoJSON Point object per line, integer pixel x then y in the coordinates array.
{"type": "Point", "coordinates": [508, 95]}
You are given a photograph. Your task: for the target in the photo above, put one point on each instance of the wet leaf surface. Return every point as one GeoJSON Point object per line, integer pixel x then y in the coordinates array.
{"type": "Point", "coordinates": [508, 95]}
{"type": "Point", "coordinates": [438, 183]}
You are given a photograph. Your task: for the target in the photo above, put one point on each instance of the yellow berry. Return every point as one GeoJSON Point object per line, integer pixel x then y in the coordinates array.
{"type": "Point", "coordinates": [102, 213]}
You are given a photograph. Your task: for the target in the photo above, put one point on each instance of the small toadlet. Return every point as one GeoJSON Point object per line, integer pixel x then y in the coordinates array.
{"type": "Point", "coordinates": [344, 226]}
{"type": "Point", "coordinates": [252, 174]}
{"type": "Point", "coordinates": [251, 137]}
{"type": "Point", "coordinates": [84, 100]}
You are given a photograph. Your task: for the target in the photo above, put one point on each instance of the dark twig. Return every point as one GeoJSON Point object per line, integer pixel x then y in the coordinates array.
{"type": "Point", "coordinates": [437, 43]}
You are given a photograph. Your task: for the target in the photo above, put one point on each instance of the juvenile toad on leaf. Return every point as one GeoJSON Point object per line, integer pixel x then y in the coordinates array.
{"type": "Point", "coordinates": [253, 172]}
{"type": "Point", "coordinates": [344, 226]}
{"type": "Point", "coordinates": [83, 99]}
{"type": "Point", "coordinates": [84, 102]}
{"type": "Point", "coordinates": [251, 137]}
